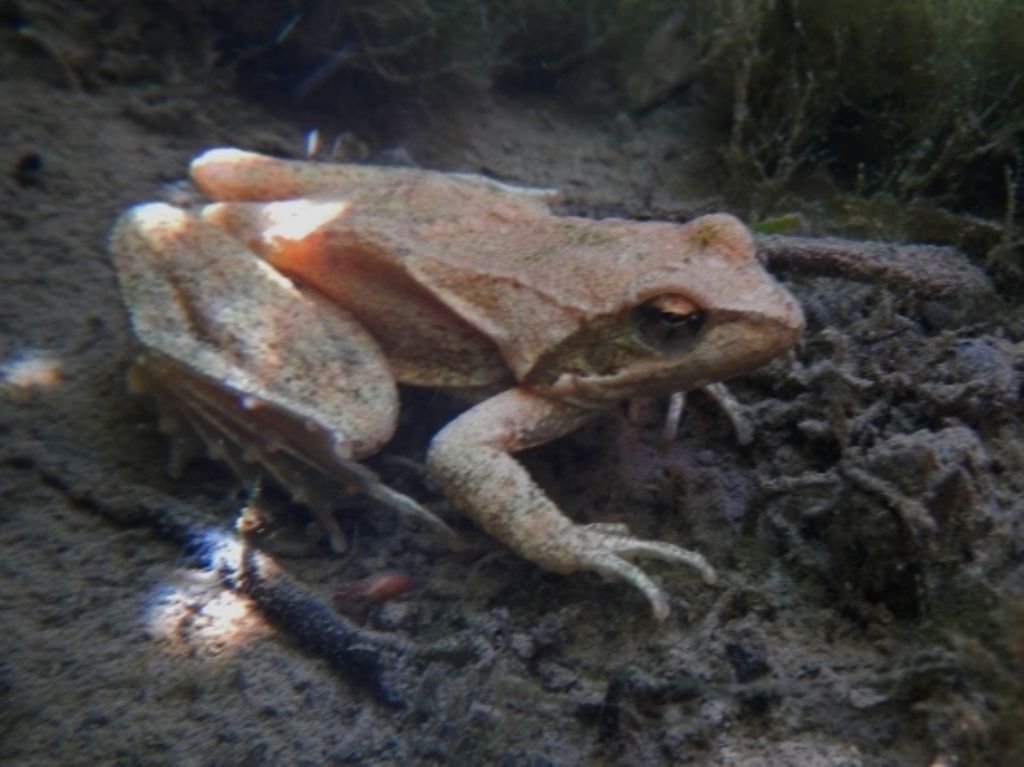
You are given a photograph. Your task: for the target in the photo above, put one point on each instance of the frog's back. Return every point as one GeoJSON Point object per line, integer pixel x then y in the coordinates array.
{"type": "Point", "coordinates": [358, 252]}
{"type": "Point", "coordinates": [443, 269]}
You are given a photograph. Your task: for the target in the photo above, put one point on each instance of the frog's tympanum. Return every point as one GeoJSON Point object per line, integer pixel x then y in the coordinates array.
{"type": "Point", "coordinates": [277, 321]}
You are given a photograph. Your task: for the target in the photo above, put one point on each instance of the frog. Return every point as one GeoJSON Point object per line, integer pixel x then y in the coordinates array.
{"type": "Point", "coordinates": [278, 317]}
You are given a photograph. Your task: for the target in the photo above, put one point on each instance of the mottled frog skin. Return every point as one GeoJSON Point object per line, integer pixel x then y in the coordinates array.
{"type": "Point", "coordinates": [277, 320]}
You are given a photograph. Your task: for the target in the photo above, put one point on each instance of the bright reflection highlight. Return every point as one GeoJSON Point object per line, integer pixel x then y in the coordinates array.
{"type": "Point", "coordinates": [293, 220]}
{"type": "Point", "coordinates": [159, 215]}
{"type": "Point", "coordinates": [198, 614]}
{"type": "Point", "coordinates": [31, 369]}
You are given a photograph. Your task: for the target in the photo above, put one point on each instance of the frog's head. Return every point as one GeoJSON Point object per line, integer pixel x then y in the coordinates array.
{"type": "Point", "coordinates": [699, 309]}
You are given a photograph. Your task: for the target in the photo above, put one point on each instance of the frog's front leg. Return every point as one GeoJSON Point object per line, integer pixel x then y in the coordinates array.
{"type": "Point", "coordinates": [471, 460]}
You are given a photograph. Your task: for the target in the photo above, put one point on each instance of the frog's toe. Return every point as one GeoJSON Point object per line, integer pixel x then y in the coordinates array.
{"type": "Point", "coordinates": [403, 504]}
{"type": "Point", "coordinates": [607, 548]}
{"type": "Point", "coordinates": [613, 566]}
{"type": "Point", "coordinates": [629, 546]}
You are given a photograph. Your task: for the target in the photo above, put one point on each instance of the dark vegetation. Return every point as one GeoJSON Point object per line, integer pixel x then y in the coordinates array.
{"type": "Point", "coordinates": [883, 119]}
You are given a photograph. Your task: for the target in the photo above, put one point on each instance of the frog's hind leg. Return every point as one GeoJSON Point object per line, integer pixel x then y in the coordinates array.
{"type": "Point", "coordinates": [234, 175]}
{"type": "Point", "coordinates": [264, 373]}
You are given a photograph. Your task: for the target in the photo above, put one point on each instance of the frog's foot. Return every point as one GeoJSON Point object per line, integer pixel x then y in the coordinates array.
{"type": "Point", "coordinates": [382, 495]}
{"type": "Point", "coordinates": [609, 548]}
{"type": "Point", "coordinates": [256, 439]}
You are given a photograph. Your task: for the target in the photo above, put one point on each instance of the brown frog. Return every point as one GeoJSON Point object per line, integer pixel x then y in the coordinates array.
{"type": "Point", "coordinates": [277, 321]}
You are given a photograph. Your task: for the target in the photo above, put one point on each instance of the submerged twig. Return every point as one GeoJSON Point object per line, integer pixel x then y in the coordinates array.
{"type": "Point", "coordinates": [359, 655]}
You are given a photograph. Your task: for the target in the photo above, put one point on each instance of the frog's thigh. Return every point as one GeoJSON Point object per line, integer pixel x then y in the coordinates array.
{"type": "Point", "coordinates": [303, 374]}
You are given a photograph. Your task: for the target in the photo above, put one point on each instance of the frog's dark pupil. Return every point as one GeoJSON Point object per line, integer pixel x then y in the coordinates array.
{"type": "Point", "coordinates": [666, 330]}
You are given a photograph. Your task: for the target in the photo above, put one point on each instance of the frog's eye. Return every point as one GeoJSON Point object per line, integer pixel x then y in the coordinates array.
{"type": "Point", "coordinates": [667, 323]}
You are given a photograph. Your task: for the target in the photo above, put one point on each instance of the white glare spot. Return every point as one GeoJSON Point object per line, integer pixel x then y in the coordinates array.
{"type": "Point", "coordinates": [158, 214]}
{"type": "Point", "coordinates": [225, 155]}
{"type": "Point", "coordinates": [31, 369]}
{"type": "Point", "coordinates": [197, 615]}
{"type": "Point", "coordinates": [292, 220]}
{"type": "Point", "coordinates": [226, 554]}
{"type": "Point", "coordinates": [313, 144]}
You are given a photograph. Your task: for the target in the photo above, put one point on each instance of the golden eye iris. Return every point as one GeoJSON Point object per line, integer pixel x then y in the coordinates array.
{"type": "Point", "coordinates": [667, 323]}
